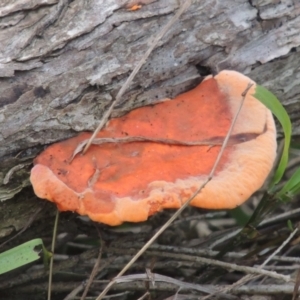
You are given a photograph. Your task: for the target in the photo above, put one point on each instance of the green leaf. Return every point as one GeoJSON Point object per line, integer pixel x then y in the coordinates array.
{"type": "Point", "coordinates": [21, 255]}
{"type": "Point", "coordinates": [239, 215]}
{"type": "Point", "coordinates": [272, 103]}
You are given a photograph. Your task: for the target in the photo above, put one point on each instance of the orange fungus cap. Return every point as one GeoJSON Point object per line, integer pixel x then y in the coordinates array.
{"type": "Point", "coordinates": [129, 181]}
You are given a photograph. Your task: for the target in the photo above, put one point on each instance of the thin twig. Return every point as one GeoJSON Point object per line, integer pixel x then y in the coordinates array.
{"type": "Point", "coordinates": [215, 141]}
{"type": "Point", "coordinates": [152, 45]}
{"type": "Point", "coordinates": [279, 248]}
{"type": "Point", "coordinates": [75, 292]}
{"type": "Point", "coordinates": [280, 217]}
{"type": "Point", "coordinates": [277, 218]}
{"type": "Point", "coordinates": [179, 211]}
{"type": "Point", "coordinates": [196, 252]}
{"type": "Point", "coordinates": [160, 287]}
{"type": "Point", "coordinates": [296, 287]}
{"type": "Point", "coordinates": [95, 269]}
{"type": "Point", "coordinates": [259, 289]}
{"type": "Point", "coordinates": [225, 238]}
{"type": "Point", "coordinates": [52, 257]}
{"type": "Point", "coordinates": [144, 296]}
{"type": "Point", "coordinates": [93, 274]}
{"type": "Point", "coordinates": [162, 278]}
{"type": "Point", "coordinates": [225, 265]}
{"type": "Point", "coordinates": [247, 278]}
{"type": "Point", "coordinates": [282, 268]}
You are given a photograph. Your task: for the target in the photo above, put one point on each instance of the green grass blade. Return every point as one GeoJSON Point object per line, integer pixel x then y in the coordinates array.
{"type": "Point", "coordinates": [296, 189]}
{"type": "Point", "coordinates": [272, 103]}
{"type": "Point", "coordinates": [21, 255]}
{"type": "Point", "coordinates": [291, 187]}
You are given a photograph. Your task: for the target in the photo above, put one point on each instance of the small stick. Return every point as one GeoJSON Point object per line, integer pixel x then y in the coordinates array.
{"type": "Point", "coordinates": [233, 140]}
{"type": "Point", "coordinates": [52, 257]}
{"type": "Point", "coordinates": [249, 277]}
{"type": "Point", "coordinates": [95, 269]}
{"type": "Point", "coordinates": [152, 44]}
{"type": "Point", "coordinates": [179, 211]}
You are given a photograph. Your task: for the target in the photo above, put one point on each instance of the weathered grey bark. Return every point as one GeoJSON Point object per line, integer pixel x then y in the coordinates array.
{"type": "Point", "coordinates": [62, 63]}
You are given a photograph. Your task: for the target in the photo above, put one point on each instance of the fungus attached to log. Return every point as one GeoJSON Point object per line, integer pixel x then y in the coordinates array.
{"type": "Point", "coordinates": [155, 157]}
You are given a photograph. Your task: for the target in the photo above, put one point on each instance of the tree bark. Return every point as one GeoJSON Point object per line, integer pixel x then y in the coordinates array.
{"type": "Point", "coordinates": [62, 63]}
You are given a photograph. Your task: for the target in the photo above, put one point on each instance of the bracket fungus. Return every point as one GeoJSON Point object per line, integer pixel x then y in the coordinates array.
{"type": "Point", "coordinates": [155, 157]}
